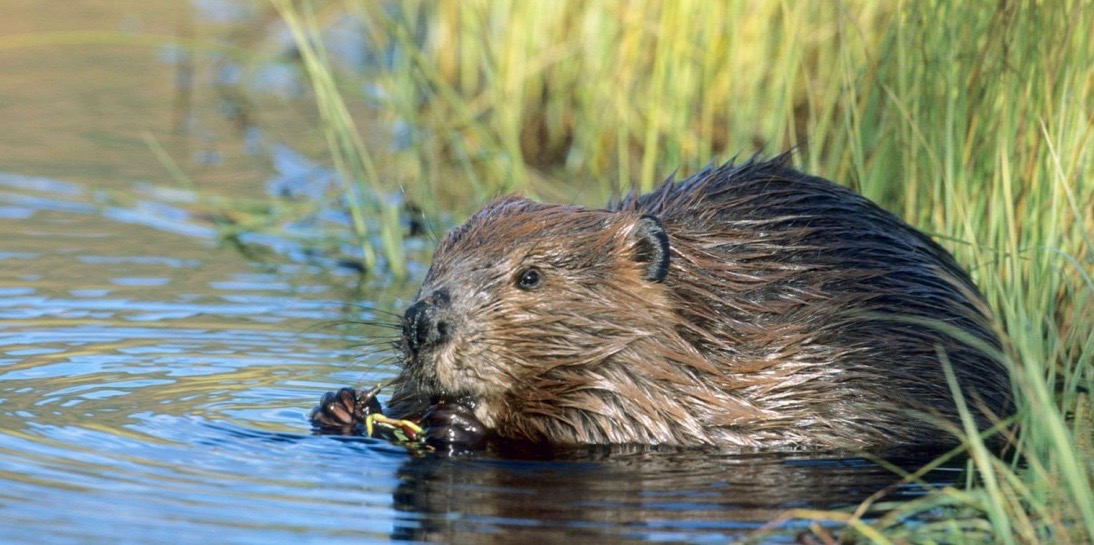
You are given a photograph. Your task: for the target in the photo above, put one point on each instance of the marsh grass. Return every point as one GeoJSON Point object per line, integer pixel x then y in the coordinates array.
{"type": "Point", "coordinates": [375, 219]}
{"type": "Point", "coordinates": [972, 120]}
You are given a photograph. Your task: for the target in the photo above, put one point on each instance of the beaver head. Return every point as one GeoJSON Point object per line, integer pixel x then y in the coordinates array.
{"type": "Point", "coordinates": [529, 310]}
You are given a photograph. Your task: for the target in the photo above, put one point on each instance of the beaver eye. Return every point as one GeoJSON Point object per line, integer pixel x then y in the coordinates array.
{"type": "Point", "coordinates": [529, 279]}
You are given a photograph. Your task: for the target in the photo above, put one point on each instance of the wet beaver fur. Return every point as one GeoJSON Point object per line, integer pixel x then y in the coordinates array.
{"type": "Point", "coordinates": [749, 305]}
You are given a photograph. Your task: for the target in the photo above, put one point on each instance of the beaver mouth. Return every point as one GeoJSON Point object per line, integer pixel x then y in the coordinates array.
{"type": "Point", "coordinates": [443, 380]}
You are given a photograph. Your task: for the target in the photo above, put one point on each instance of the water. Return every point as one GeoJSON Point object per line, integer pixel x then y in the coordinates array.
{"type": "Point", "coordinates": [154, 380]}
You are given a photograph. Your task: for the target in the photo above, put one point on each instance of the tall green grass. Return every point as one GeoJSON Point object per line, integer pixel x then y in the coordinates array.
{"type": "Point", "coordinates": [972, 120]}
{"type": "Point", "coordinates": [375, 219]}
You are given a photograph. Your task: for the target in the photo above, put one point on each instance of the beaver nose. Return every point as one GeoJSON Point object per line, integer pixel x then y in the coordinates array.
{"type": "Point", "coordinates": [423, 324]}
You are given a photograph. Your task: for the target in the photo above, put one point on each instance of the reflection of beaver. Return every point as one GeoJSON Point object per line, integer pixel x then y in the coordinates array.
{"type": "Point", "coordinates": [617, 496]}
{"type": "Point", "coordinates": [747, 306]}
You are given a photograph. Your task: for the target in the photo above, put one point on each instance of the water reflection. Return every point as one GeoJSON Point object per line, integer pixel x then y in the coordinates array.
{"type": "Point", "coordinates": [693, 496]}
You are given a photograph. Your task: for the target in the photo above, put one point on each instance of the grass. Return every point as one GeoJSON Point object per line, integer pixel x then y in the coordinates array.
{"type": "Point", "coordinates": [972, 120]}
{"type": "Point", "coordinates": [352, 159]}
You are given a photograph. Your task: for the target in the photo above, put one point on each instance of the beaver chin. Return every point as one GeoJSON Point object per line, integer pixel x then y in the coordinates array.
{"type": "Point", "coordinates": [439, 391]}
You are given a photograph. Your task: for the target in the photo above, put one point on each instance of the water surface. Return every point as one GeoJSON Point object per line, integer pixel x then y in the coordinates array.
{"type": "Point", "coordinates": [154, 379]}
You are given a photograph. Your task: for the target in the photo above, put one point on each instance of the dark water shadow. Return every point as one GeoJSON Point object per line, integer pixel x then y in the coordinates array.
{"type": "Point", "coordinates": [614, 497]}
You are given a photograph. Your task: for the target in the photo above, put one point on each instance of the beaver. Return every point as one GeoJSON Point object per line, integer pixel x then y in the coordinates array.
{"type": "Point", "coordinates": [749, 306]}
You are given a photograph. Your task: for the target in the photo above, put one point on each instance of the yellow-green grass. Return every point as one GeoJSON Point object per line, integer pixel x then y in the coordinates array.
{"type": "Point", "coordinates": [972, 120]}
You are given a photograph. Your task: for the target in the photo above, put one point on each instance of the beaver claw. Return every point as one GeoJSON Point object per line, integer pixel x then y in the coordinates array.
{"type": "Point", "coordinates": [343, 411]}
{"type": "Point", "coordinates": [449, 427]}
{"type": "Point", "coordinates": [452, 428]}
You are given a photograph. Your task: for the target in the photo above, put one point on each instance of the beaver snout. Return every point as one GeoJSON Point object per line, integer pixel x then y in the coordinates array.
{"type": "Point", "coordinates": [424, 324]}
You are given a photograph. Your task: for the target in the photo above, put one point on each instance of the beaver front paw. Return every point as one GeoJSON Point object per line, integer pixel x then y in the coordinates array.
{"type": "Point", "coordinates": [452, 428]}
{"type": "Point", "coordinates": [343, 411]}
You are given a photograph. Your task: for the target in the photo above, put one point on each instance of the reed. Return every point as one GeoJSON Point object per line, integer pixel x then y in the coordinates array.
{"type": "Point", "coordinates": [972, 120]}
{"type": "Point", "coordinates": [375, 220]}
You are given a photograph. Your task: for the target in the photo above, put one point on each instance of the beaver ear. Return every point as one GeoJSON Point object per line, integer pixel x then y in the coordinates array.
{"type": "Point", "coordinates": [651, 247]}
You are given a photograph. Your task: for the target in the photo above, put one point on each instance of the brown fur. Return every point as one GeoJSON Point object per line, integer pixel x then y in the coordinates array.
{"type": "Point", "coordinates": [792, 315]}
